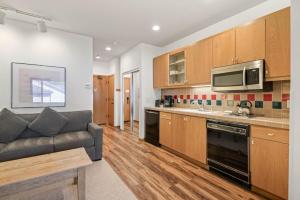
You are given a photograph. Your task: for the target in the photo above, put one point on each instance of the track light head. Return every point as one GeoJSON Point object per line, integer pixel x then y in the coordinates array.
{"type": "Point", "coordinates": [41, 26]}
{"type": "Point", "coordinates": [2, 17]}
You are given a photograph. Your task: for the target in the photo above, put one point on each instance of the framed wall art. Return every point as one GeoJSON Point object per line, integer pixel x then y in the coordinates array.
{"type": "Point", "coordinates": [35, 86]}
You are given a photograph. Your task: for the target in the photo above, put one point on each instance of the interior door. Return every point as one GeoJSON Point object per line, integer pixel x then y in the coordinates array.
{"type": "Point", "coordinates": [127, 99]}
{"type": "Point", "coordinates": [100, 93]}
{"type": "Point", "coordinates": [111, 100]}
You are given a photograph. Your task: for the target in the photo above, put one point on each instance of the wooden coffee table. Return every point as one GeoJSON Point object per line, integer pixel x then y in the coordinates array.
{"type": "Point", "coordinates": [55, 176]}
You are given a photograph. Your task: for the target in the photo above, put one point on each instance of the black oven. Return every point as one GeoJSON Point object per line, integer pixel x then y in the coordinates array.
{"type": "Point", "coordinates": [228, 150]}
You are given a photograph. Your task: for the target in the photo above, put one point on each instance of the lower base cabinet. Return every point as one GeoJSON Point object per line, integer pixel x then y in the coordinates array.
{"type": "Point", "coordinates": [184, 134]}
{"type": "Point", "coordinates": [165, 127]}
{"type": "Point", "coordinates": [269, 162]}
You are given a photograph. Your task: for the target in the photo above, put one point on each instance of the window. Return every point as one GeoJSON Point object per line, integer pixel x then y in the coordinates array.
{"type": "Point", "coordinates": [46, 91]}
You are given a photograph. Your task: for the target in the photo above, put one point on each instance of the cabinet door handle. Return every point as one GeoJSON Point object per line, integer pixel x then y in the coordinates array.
{"type": "Point", "coordinates": [232, 60]}
{"type": "Point", "coordinates": [252, 142]}
{"type": "Point", "coordinates": [236, 60]}
{"type": "Point", "coordinates": [270, 134]}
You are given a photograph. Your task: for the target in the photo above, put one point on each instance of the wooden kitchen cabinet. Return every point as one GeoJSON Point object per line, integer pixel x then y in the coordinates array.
{"type": "Point", "coordinates": [224, 48]}
{"type": "Point", "coordinates": [189, 136]}
{"type": "Point", "coordinates": [161, 71]}
{"type": "Point", "coordinates": [165, 129]}
{"type": "Point", "coordinates": [195, 139]}
{"type": "Point", "coordinates": [278, 44]}
{"type": "Point", "coordinates": [251, 41]}
{"type": "Point", "coordinates": [178, 132]}
{"type": "Point", "coordinates": [269, 161]}
{"type": "Point", "coordinates": [199, 58]}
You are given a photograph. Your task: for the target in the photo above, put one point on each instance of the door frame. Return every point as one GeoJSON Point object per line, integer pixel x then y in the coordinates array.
{"type": "Point", "coordinates": [136, 70]}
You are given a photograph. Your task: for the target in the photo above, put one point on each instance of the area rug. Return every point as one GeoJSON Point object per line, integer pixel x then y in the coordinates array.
{"type": "Point", "coordinates": [102, 183]}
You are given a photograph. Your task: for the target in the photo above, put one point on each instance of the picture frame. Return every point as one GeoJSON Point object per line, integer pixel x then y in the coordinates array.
{"type": "Point", "coordinates": [37, 86]}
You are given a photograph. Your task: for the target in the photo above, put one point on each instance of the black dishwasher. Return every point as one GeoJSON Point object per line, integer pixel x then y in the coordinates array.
{"type": "Point", "coordinates": [152, 127]}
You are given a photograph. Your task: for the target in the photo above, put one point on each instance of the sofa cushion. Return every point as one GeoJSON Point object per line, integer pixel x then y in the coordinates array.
{"type": "Point", "coordinates": [48, 123]}
{"type": "Point", "coordinates": [11, 126]}
{"type": "Point", "coordinates": [73, 140]}
{"type": "Point", "coordinates": [26, 148]}
{"type": "Point", "coordinates": [78, 121]}
{"type": "Point", "coordinates": [2, 145]}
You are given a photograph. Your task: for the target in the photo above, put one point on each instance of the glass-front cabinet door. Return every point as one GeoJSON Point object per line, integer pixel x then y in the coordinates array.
{"type": "Point", "coordinates": [177, 71]}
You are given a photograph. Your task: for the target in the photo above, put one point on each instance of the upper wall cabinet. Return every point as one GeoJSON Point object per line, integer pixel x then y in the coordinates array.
{"type": "Point", "coordinates": [251, 41]}
{"type": "Point", "coordinates": [177, 67]}
{"type": "Point", "coordinates": [199, 62]}
{"type": "Point", "coordinates": [278, 31]}
{"type": "Point", "coordinates": [161, 71]}
{"type": "Point", "coordinates": [224, 48]}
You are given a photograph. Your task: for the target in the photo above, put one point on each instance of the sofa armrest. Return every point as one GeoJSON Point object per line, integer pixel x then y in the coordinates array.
{"type": "Point", "coordinates": [97, 133]}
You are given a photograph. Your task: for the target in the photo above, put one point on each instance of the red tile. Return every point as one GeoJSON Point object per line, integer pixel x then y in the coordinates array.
{"type": "Point", "coordinates": [285, 97]}
{"type": "Point", "coordinates": [213, 97]}
{"type": "Point", "coordinates": [251, 97]}
{"type": "Point", "coordinates": [181, 96]}
{"type": "Point", "coordinates": [188, 96]}
{"type": "Point", "coordinates": [268, 97]}
{"type": "Point", "coordinates": [236, 97]}
{"type": "Point", "coordinates": [175, 96]}
{"type": "Point", "coordinates": [195, 96]}
{"type": "Point", "coordinates": [203, 97]}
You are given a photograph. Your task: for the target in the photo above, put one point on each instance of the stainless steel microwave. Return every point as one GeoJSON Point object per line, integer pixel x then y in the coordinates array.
{"type": "Point", "coordinates": [239, 77]}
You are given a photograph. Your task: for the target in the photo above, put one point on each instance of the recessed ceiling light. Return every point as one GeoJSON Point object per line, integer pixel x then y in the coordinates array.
{"type": "Point", "coordinates": [155, 28]}
{"type": "Point", "coordinates": [98, 57]}
{"type": "Point", "coordinates": [108, 48]}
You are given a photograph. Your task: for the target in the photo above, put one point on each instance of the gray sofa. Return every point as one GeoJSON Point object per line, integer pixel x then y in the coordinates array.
{"type": "Point", "coordinates": [78, 132]}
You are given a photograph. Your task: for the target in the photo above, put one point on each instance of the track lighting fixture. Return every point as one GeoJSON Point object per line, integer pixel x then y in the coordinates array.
{"type": "Point", "coordinates": [41, 26]}
{"type": "Point", "coordinates": [2, 17]}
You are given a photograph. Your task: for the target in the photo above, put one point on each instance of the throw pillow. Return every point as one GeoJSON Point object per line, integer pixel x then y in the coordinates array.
{"type": "Point", "coordinates": [11, 126]}
{"type": "Point", "coordinates": [48, 122]}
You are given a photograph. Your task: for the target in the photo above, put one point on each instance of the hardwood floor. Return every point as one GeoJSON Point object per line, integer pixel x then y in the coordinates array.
{"type": "Point", "coordinates": [153, 173]}
{"type": "Point", "coordinates": [135, 130]}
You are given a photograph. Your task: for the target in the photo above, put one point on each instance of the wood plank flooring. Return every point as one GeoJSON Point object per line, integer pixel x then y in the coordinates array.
{"type": "Point", "coordinates": [153, 173]}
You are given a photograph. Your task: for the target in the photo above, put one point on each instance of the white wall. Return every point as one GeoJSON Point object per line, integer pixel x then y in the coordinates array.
{"type": "Point", "coordinates": [136, 95]}
{"type": "Point", "coordinates": [294, 171]}
{"type": "Point", "coordinates": [101, 68]}
{"type": "Point", "coordinates": [21, 42]}
{"type": "Point", "coordinates": [148, 94]}
{"type": "Point", "coordinates": [131, 59]}
{"type": "Point", "coordinates": [141, 57]}
{"type": "Point", "coordinates": [114, 66]}
{"type": "Point", "coordinates": [241, 18]}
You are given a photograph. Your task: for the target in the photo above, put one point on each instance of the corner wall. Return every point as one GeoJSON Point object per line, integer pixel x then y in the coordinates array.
{"type": "Point", "coordinates": [294, 159]}
{"type": "Point", "coordinates": [21, 42]}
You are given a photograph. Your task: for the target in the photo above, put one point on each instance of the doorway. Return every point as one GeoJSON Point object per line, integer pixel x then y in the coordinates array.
{"type": "Point", "coordinates": [131, 99]}
{"type": "Point", "coordinates": [103, 99]}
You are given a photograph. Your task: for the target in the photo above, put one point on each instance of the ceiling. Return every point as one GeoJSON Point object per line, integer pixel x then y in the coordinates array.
{"type": "Point", "coordinates": [122, 24]}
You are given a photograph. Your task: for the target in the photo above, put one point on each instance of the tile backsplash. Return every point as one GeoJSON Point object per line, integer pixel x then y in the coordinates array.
{"type": "Point", "coordinates": [269, 104]}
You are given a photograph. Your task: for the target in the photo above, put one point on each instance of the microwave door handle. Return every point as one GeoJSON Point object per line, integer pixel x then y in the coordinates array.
{"type": "Point", "coordinates": [244, 77]}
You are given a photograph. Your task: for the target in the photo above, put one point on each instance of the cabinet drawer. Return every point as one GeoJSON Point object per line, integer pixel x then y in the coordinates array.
{"type": "Point", "coordinates": [277, 135]}
{"type": "Point", "coordinates": [164, 115]}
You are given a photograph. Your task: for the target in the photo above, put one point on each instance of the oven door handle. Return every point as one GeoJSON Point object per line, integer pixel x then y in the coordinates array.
{"type": "Point", "coordinates": [219, 128]}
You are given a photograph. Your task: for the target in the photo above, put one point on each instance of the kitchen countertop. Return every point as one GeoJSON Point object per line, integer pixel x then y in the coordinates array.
{"type": "Point", "coordinates": [257, 120]}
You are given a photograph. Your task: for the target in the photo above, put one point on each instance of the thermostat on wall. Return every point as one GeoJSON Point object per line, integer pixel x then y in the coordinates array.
{"type": "Point", "coordinates": [88, 86]}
